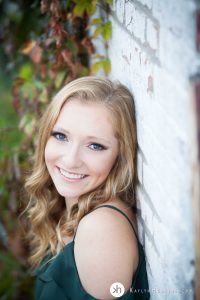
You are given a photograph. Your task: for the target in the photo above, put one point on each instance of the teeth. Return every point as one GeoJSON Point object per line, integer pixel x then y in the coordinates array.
{"type": "Point", "coordinates": [71, 175]}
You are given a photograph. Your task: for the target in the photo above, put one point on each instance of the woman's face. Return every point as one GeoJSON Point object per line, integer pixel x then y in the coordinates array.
{"type": "Point", "coordinates": [82, 149]}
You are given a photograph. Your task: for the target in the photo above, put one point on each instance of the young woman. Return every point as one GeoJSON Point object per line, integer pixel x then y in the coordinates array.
{"type": "Point", "coordinates": [83, 232]}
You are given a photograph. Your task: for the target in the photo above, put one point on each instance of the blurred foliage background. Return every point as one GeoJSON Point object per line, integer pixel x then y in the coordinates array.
{"type": "Point", "coordinates": [43, 45]}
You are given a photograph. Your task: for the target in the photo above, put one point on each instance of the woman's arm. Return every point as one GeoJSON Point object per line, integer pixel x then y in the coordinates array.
{"type": "Point", "coordinates": [106, 251]}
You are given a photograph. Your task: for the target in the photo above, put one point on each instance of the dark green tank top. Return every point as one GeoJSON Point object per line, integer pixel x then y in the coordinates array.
{"type": "Point", "coordinates": [58, 279]}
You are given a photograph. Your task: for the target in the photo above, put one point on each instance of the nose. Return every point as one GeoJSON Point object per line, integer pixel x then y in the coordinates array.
{"type": "Point", "coordinates": [71, 157]}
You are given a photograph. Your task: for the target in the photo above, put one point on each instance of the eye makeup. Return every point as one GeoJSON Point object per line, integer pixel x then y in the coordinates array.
{"type": "Point", "coordinates": [59, 136]}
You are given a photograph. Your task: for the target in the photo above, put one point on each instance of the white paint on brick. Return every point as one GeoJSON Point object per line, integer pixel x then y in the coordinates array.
{"type": "Point", "coordinates": [134, 21]}
{"type": "Point", "coordinates": [147, 3]}
{"type": "Point", "coordinates": [152, 51]}
{"type": "Point", "coordinates": [119, 7]}
{"type": "Point", "coordinates": [177, 36]}
{"type": "Point", "coordinates": [152, 34]}
{"type": "Point", "coordinates": [140, 167]}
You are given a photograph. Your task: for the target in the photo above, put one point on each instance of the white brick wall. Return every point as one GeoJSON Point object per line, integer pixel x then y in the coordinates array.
{"type": "Point", "coordinates": [153, 52]}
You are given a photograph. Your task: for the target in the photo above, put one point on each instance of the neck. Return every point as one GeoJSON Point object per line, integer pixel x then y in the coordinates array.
{"type": "Point", "coordinates": [70, 202]}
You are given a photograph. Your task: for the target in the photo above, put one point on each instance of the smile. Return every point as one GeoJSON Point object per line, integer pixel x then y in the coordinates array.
{"type": "Point", "coordinates": [72, 176]}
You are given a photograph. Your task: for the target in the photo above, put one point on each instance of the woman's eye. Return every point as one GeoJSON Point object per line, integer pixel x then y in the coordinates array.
{"type": "Point", "coordinates": [96, 147]}
{"type": "Point", "coordinates": [59, 136]}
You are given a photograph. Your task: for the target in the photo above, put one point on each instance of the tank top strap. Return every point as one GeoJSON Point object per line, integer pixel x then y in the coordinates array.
{"type": "Point", "coordinates": [120, 211]}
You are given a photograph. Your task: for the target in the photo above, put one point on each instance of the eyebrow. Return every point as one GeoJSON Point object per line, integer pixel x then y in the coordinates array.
{"type": "Point", "coordinates": [87, 137]}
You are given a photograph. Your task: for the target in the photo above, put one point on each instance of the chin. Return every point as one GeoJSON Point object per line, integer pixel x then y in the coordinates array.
{"type": "Point", "coordinates": [66, 194]}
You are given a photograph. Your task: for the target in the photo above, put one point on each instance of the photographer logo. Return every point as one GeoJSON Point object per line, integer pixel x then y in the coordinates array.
{"type": "Point", "coordinates": [117, 289]}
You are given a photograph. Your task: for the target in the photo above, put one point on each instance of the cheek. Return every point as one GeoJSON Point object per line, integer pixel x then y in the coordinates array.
{"type": "Point", "coordinates": [104, 166]}
{"type": "Point", "coordinates": [49, 153]}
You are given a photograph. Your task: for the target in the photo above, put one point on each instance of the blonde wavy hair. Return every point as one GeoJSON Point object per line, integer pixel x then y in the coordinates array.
{"type": "Point", "coordinates": [46, 210]}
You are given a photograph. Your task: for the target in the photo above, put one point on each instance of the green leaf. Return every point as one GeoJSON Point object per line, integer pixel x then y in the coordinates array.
{"type": "Point", "coordinates": [110, 2]}
{"type": "Point", "coordinates": [26, 71]}
{"type": "Point", "coordinates": [107, 31]}
{"type": "Point", "coordinates": [79, 9]}
{"type": "Point", "coordinates": [106, 66]}
{"type": "Point", "coordinates": [96, 21]}
{"type": "Point", "coordinates": [27, 90]}
{"type": "Point", "coordinates": [85, 5]}
{"type": "Point", "coordinates": [59, 79]}
{"type": "Point", "coordinates": [27, 123]}
{"type": "Point", "coordinates": [96, 67]}
{"type": "Point", "coordinates": [97, 32]}
{"type": "Point", "coordinates": [91, 7]}
{"type": "Point", "coordinates": [100, 57]}
{"type": "Point", "coordinates": [84, 72]}
{"type": "Point", "coordinates": [43, 97]}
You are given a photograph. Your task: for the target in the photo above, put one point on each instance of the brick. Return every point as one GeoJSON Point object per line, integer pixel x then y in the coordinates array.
{"type": "Point", "coordinates": [155, 282]}
{"type": "Point", "coordinates": [152, 33]}
{"type": "Point", "coordinates": [146, 212]}
{"type": "Point", "coordinates": [135, 21]}
{"type": "Point", "coordinates": [159, 161]}
{"type": "Point", "coordinates": [178, 60]}
{"type": "Point", "coordinates": [119, 7]}
{"type": "Point", "coordinates": [173, 140]}
{"type": "Point", "coordinates": [147, 3]}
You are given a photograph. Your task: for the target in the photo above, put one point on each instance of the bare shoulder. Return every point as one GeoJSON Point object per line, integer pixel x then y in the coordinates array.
{"type": "Point", "coordinates": [106, 251]}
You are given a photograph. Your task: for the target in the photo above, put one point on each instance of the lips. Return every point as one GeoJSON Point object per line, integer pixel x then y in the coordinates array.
{"type": "Point", "coordinates": [72, 176]}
